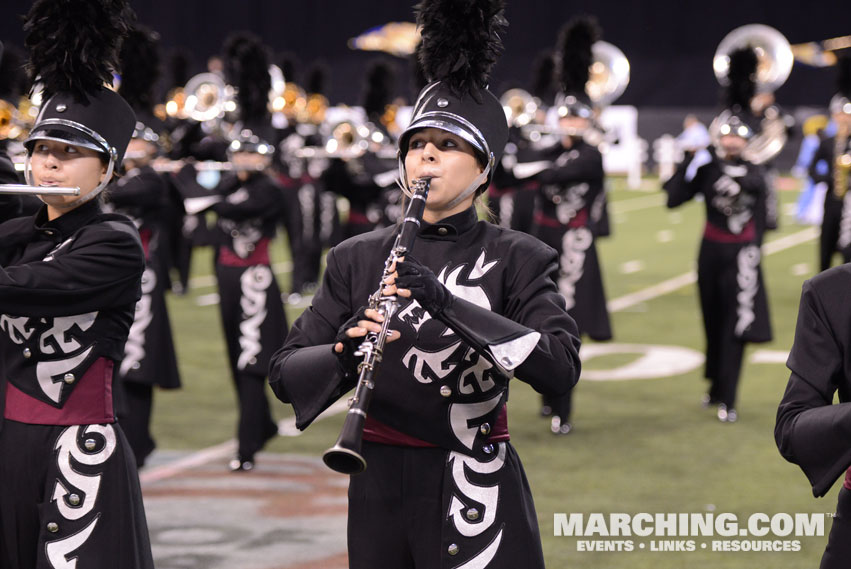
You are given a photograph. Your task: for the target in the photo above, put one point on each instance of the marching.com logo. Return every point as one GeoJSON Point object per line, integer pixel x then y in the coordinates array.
{"type": "Point", "coordinates": [773, 532]}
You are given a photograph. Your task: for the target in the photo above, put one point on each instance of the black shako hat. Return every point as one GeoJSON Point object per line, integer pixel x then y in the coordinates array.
{"type": "Point", "coordinates": [460, 44]}
{"type": "Point", "coordinates": [73, 48]}
{"type": "Point", "coordinates": [105, 123]}
{"type": "Point", "coordinates": [481, 122]}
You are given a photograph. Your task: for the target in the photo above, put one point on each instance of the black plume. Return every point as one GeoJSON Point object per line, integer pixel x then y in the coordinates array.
{"type": "Point", "coordinates": [461, 41]}
{"type": "Point", "coordinates": [254, 82]}
{"type": "Point", "coordinates": [178, 67]}
{"type": "Point", "coordinates": [742, 79]}
{"type": "Point", "coordinates": [140, 68]}
{"type": "Point", "coordinates": [317, 79]}
{"type": "Point", "coordinates": [231, 54]}
{"type": "Point", "coordinates": [843, 75]}
{"type": "Point", "coordinates": [378, 93]}
{"type": "Point", "coordinates": [575, 55]}
{"type": "Point", "coordinates": [543, 76]}
{"type": "Point", "coordinates": [13, 75]}
{"type": "Point", "coordinates": [418, 76]}
{"type": "Point", "coordinates": [74, 44]}
{"type": "Point", "coordinates": [287, 64]}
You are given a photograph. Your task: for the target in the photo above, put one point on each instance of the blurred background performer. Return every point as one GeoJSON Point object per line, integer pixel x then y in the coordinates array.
{"type": "Point", "coordinates": [13, 129]}
{"type": "Point", "coordinates": [512, 202]}
{"type": "Point", "coordinates": [729, 276]}
{"type": "Point", "coordinates": [367, 151]}
{"type": "Point", "coordinates": [570, 178]}
{"type": "Point", "coordinates": [835, 152]}
{"type": "Point", "coordinates": [69, 281]}
{"type": "Point", "coordinates": [141, 194]}
{"type": "Point", "coordinates": [751, 62]}
{"type": "Point", "coordinates": [444, 487]}
{"type": "Point", "coordinates": [250, 304]}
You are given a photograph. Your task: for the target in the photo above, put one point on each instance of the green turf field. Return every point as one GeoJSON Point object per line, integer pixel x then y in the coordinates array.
{"type": "Point", "coordinates": [639, 446]}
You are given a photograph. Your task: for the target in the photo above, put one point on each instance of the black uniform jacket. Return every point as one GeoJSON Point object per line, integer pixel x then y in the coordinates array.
{"type": "Point", "coordinates": [68, 288]}
{"type": "Point", "coordinates": [731, 188]}
{"type": "Point", "coordinates": [431, 384]}
{"type": "Point", "coordinates": [811, 431]}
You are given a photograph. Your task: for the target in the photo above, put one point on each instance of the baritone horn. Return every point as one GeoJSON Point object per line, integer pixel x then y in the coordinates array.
{"type": "Point", "coordinates": [208, 97]}
{"type": "Point", "coordinates": [519, 106]}
{"type": "Point", "coordinates": [774, 64]}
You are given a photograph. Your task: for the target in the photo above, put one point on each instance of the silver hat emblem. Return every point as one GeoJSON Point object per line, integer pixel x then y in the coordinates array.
{"type": "Point", "coordinates": [442, 103]}
{"type": "Point", "coordinates": [60, 108]}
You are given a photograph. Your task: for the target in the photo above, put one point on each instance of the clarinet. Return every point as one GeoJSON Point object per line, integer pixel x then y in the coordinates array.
{"type": "Point", "coordinates": [345, 456]}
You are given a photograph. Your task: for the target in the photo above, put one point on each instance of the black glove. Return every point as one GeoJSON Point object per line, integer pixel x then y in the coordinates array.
{"type": "Point", "coordinates": [346, 360]}
{"type": "Point", "coordinates": [424, 286]}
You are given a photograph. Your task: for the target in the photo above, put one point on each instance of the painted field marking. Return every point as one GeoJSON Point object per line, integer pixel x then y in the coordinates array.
{"type": "Point", "coordinates": [287, 428]}
{"type": "Point", "coordinates": [203, 456]}
{"type": "Point", "coordinates": [676, 283]}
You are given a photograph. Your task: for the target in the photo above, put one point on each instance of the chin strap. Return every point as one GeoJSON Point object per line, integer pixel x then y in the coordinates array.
{"type": "Point", "coordinates": [474, 185]}
{"type": "Point", "coordinates": [84, 198]}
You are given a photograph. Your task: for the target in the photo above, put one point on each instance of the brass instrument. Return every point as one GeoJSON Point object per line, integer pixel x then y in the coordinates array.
{"type": "Point", "coordinates": [350, 138]}
{"type": "Point", "coordinates": [208, 97]}
{"type": "Point", "coordinates": [608, 78]}
{"type": "Point", "coordinates": [774, 64]}
{"type": "Point", "coordinates": [842, 162]}
{"type": "Point", "coordinates": [23, 189]}
{"type": "Point", "coordinates": [16, 122]}
{"type": "Point", "coordinates": [345, 456]}
{"type": "Point", "coordinates": [609, 74]}
{"type": "Point", "coordinates": [520, 107]}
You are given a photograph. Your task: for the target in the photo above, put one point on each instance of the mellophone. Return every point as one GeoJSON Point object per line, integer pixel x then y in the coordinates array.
{"type": "Point", "coordinates": [345, 456]}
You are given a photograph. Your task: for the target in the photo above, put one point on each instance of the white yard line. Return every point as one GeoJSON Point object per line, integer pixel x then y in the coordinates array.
{"type": "Point", "coordinates": [203, 456]}
{"type": "Point", "coordinates": [634, 204]}
{"type": "Point", "coordinates": [685, 279]}
{"type": "Point", "coordinates": [287, 428]}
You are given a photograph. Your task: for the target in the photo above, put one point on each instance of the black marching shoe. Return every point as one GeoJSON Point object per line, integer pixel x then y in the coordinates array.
{"type": "Point", "coordinates": [726, 415]}
{"type": "Point", "coordinates": [240, 465]}
{"type": "Point", "coordinates": [560, 428]}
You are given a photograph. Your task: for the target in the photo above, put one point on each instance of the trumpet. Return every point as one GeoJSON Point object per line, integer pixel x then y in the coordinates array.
{"type": "Point", "coordinates": [23, 189]}
{"type": "Point", "coordinates": [345, 456]}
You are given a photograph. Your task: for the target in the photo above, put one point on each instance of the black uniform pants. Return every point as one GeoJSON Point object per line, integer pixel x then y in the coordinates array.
{"type": "Point", "coordinates": [398, 514]}
{"type": "Point", "coordinates": [70, 492]}
{"type": "Point", "coordinates": [137, 422]}
{"type": "Point", "coordinates": [838, 551]}
{"type": "Point", "coordinates": [829, 236]}
{"type": "Point", "coordinates": [256, 425]}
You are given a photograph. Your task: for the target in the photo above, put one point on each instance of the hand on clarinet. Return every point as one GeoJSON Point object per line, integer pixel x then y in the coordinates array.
{"type": "Point", "coordinates": [351, 334]}
{"type": "Point", "coordinates": [411, 279]}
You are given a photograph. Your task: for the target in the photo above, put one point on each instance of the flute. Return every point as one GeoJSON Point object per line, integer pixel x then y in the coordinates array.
{"type": "Point", "coordinates": [23, 189]}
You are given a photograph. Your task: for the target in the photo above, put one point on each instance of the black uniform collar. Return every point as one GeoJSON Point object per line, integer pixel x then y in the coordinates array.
{"type": "Point", "coordinates": [452, 226]}
{"type": "Point", "coordinates": [67, 224]}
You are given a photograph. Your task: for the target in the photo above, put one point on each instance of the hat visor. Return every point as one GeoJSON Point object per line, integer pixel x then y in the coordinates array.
{"type": "Point", "coordinates": [445, 121]}
{"type": "Point", "coordinates": [62, 133]}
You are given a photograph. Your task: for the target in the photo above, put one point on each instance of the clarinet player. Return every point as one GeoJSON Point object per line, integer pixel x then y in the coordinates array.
{"type": "Point", "coordinates": [478, 304]}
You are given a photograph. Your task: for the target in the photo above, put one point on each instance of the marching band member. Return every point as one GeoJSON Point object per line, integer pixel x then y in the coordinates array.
{"type": "Point", "coordinates": [836, 223]}
{"type": "Point", "coordinates": [69, 280]}
{"type": "Point", "coordinates": [141, 194]}
{"type": "Point", "coordinates": [354, 177]}
{"type": "Point", "coordinates": [441, 467]}
{"type": "Point", "coordinates": [729, 277]}
{"type": "Point", "coordinates": [568, 187]}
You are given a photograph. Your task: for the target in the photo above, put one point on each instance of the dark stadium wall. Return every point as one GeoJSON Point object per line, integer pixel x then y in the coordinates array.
{"type": "Point", "coordinates": [669, 43]}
